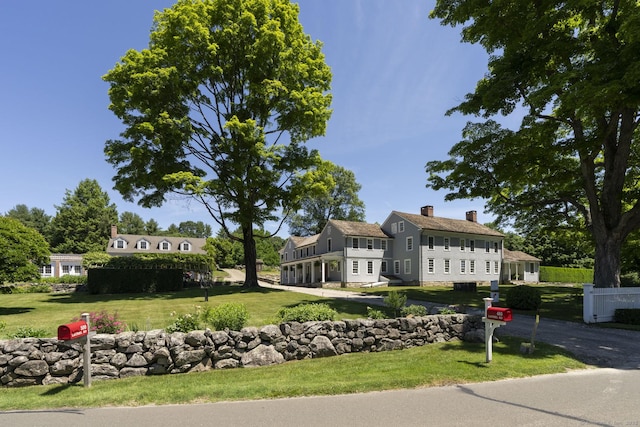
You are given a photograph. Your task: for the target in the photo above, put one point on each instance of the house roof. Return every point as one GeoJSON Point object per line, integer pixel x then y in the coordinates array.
{"type": "Point", "coordinates": [299, 241]}
{"type": "Point", "coordinates": [197, 244]}
{"type": "Point", "coordinates": [361, 229]}
{"type": "Point", "coordinates": [446, 224]}
{"type": "Point", "coordinates": [515, 256]}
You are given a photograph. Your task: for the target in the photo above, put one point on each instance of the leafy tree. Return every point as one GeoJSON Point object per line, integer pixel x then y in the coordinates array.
{"type": "Point", "coordinates": [131, 223]}
{"type": "Point", "coordinates": [218, 108]}
{"type": "Point", "coordinates": [573, 163]}
{"type": "Point", "coordinates": [83, 221]}
{"type": "Point", "coordinates": [24, 249]}
{"type": "Point", "coordinates": [152, 228]}
{"type": "Point", "coordinates": [33, 218]}
{"type": "Point", "coordinates": [339, 200]}
{"type": "Point", "coordinates": [190, 229]}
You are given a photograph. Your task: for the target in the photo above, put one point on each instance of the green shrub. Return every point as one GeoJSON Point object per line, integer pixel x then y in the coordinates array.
{"type": "Point", "coordinates": [395, 301]}
{"type": "Point", "coordinates": [630, 316]}
{"type": "Point", "coordinates": [104, 323]}
{"type": "Point", "coordinates": [184, 322]}
{"type": "Point", "coordinates": [25, 289]}
{"type": "Point", "coordinates": [67, 279]}
{"type": "Point", "coordinates": [566, 275]}
{"type": "Point", "coordinates": [413, 310]}
{"type": "Point", "coordinates": [630, 280]}
{"type": "Point", "coordinates": [306, 313]}
{"type": "Point", "coordinates": [29, 332]}
{"type": "Point", "coordinates": [373, 313]}
{"type": "Point", "coordinates": [3, 326]}
{"type": "Point", "coordinates": [524, 297]}
{"type": "Point", "coordinates": [230, 315]}
{"type": "Point", "coordinates": [133, 280]}
{"type": "Point", "coordinates": [447, 310]}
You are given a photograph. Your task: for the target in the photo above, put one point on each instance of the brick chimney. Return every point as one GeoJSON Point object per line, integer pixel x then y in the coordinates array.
{"type": "Point", "coordinates": [114, 231]}
{"type": "Point", "coordinates": [426, 210]}
{"type": "Point", "coordinates": [472, 216]}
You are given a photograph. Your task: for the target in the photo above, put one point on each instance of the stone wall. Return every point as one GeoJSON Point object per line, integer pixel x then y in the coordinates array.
{"type": "Point", "coordinates": [33, 361]}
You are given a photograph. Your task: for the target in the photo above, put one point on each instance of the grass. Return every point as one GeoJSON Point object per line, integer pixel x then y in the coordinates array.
{"type": "Point", "coordinates": [428, 366]}
{"type": "Point", "coordinates": [153, 311]}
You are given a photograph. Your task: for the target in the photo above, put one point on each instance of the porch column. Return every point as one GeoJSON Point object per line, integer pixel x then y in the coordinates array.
{"type": "Point", "coordinates": [322, 267]}
{"type": "Point", "coordinates": [313, 272]}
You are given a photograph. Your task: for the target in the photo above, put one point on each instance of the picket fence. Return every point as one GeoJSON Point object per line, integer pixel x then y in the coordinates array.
{"type": "Point", "coordinates": [600, 304]}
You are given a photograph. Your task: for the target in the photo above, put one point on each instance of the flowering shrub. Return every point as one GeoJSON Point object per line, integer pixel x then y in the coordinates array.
{"type": "Point", "coordinates": [104, 323]}
{"type": "Point", "coordinates": [184, 322]}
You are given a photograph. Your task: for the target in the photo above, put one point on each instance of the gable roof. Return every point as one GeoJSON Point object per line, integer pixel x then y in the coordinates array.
{"type": "Point", "coordinates": [197, 244]}
{"type": "Point", "coordinates": [446, 224]}
{"type": "Point", "coordinates": [360, 229]}
{"type": "Point", "coordinates": [514, 256]}
{"type": "Point", "coordinates": [299, 241]}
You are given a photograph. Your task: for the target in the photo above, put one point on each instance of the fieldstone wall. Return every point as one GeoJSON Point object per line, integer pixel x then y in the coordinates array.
{"type": "Point", "coordinates": [33, 361]}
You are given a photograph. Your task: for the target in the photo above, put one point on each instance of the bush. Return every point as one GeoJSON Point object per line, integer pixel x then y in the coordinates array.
{"type": "Point", "coordinates": [184, 322]}
{"type": "Point", "coordinates": [629, 316]}
{"type": "Point", "coordinates": [29, 332]}
{"type": "Point", "coordinates": [413, 310]}
{"type": "Point", "coordinates": [373, 313]}
{"type": "Point", "coordinates": [395, 301]}
{"type": "Point", "coordinates": [566, 275]}
{"type": "Point", "coordinates": [307, 313]}
{"type": "Point", "coordinates": [524, 297]}
{"type": "Point", "coordinates": [630, 280]}
{"type": "Point", "coordinates": [25, 289]}
{"type": "Point", "coordinates": [66, 279]}
{"type": "Point", "coordinates": [230, 315]}
{"type": "Point", "coordinates": [104, 323]}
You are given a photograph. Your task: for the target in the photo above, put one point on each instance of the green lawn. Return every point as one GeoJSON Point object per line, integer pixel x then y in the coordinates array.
{"type": "Point", "coordinates": [428, 366]}
{"type": "Point", "coordinates": [147, 311]}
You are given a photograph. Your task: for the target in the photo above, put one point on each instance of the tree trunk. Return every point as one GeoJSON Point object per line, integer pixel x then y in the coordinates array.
{"type": "Point", "coordinates": [607, 262]}
{"type": "Point", "coordinates": [250, 258]}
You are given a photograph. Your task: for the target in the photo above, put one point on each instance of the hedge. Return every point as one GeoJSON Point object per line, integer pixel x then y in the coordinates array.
{"type": "Point", "coordinates": [566, 275]}
{"type": "Point", "coordinates": [132, 280]}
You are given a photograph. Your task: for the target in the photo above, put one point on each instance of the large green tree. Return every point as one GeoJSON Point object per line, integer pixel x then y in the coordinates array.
{"type": "Point", "coordinates": [23, 250]}
{"type": "Point", "coordinates": [33, 218]}
{"type": "Point", "coordinates": [337, 200]}
{"type": "Point", "coordinates": [83, 221]}
{"type": "Point", "coordinates": [131, 223]}
{"type": "Point", "coordinates": [218, 108]}
{"type": "Point", "coordinates": [573, 68]}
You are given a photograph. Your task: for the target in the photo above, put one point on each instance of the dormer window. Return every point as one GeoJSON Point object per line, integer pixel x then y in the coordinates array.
{"type": "Point", "coordinates": [184, 246]}
{"type": "Point", "coordinates": [143, 245]}
{"type": "Point", "coordinates": [120, 244]}
{"type": "Point", "coordinates": [165, 246]}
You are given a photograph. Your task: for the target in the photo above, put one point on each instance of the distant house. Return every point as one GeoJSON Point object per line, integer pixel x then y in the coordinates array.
{"type": "Point", "coordinates": [419, 249]}
{"type": "Point", "coordinates": [130, 244]}
{"type": "Point", "coordinates": [519, 266]}
{"type": "Point", "coordinates": [63, 265]}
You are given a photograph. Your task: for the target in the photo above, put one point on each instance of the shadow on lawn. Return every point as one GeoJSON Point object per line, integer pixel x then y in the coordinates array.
{"type": "Point", "coordinates": [7, 311]}
{"type": "Point", "coordinates": [189, 293]}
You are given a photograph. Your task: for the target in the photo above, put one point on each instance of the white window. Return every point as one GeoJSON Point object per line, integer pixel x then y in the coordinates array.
{"type": "Point", "coordinates": [396, 267]}
{"type": "Point", "coordinates": [65, 269]}
{"type": "Point", "coordinates": [495, 247]}
{"type": "Point", "coordinates": [463, 266]}
{"type": "Point", "coordinates": [407, 266]}
{"type": "Point", "coordinates": [446, 244]}
{"type": "Point", "coordinates": [120, 244]}
{"type": "Point", "coordinates": [472, 245]}
{"type": "Point", "coordinates": [369, 267]}
{"type": "Point", "coordinates": [185, 246]}
{"type": "Point", "coordinates": [487, 267]}
{"type": "Point", "coordinates": [430, 266]}
{"type": "Point", "coordinates": [487, 246]}
{"type": "Point", "coordinates": [354, 243]}
{"type": "Point", "coordinates": [328, 245]}
{"type": "Point", "coordinates": [383, 267]}
{"type": "Point", "coordinates": [409, 244]}
{"type": "Point", "coordinates": [46, 270]}
{"type": "Point", "coordinates": [383, 245]}
{"type": "Point", "coordinates": [472, 267]}
{"type": "Point", "coordinates": [394, 228]}
{"type": "Point", "coordinates": [496, 267]}
{"type": "Point", "coordinates": [143, 244]}
{"type": "Point", "coordinates": [401, 227]}
{"type": "Point", "coordinates": [355, 269]}
{"type": "Point", "coordinates": [430, 242]}
{"type": "Point", "coordinates": [462, 244]}
{"type": "Point", "coordinates": [369, 244]}
{"type": "Point", "coordinates": [165, 246]}
{"type": "Point", "coordinates": [447, 266]}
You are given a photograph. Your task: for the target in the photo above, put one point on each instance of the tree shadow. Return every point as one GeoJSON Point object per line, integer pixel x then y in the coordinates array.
{"type": "Point", "coordinates": [7, 311]}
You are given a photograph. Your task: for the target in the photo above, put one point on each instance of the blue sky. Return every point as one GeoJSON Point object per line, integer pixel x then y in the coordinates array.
{"type": "Point", "coordinates": [395, 73]}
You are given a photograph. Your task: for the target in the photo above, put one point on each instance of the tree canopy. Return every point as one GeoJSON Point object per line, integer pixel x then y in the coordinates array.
{"type": "Point", "coordinates": [338, 200]}
{"type": "Point", "coordinates": [218, 108]}
{"type": "Point", "coordinates": [24, 250]}
{"type": "Point", "coordinates": [33, 218]}
{"type": "Point", "coordinates": [83, 221]}
{"type": "Point", "coordinates": [573, 69]}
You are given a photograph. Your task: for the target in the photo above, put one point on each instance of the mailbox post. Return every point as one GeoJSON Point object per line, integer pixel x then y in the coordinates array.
{"type": "Point", "coordinates": [79, 331]}
{"type": "Point", "coordinates": [494, 317]}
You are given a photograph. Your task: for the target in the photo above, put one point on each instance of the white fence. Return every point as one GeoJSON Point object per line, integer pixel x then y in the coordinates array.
{"type": "Point", "coordinates": [600, 304]}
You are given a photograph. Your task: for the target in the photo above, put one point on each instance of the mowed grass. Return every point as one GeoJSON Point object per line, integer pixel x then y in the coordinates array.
{"type": "Point", "coordinates": [562, 302]}
{"type": "Point", "coordinates": [153, 311]}
{"type": "Point", "coordinates": [428, 366]}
